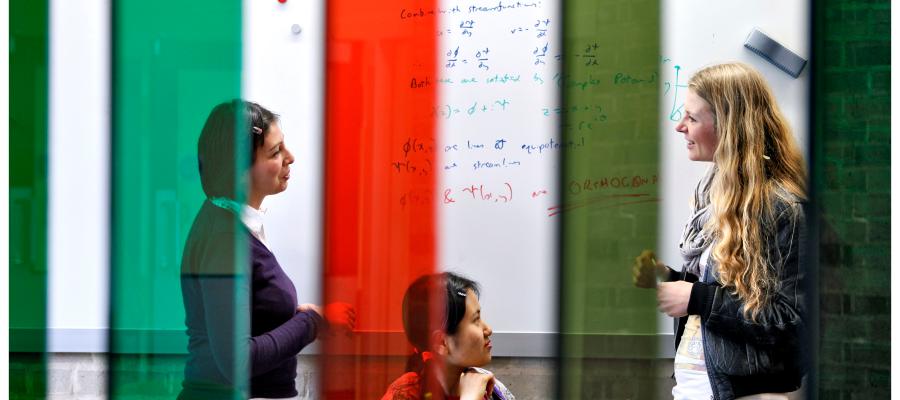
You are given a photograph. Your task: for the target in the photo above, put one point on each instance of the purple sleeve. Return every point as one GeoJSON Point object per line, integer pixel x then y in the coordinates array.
{"type": "Point", "coordinates": [225, 298]}
{"type": "Point", "coordinates": [269, 349]}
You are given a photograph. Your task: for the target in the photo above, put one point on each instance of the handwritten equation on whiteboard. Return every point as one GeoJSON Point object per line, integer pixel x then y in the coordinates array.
{"type": "Point", "coordinates": [498, 113]}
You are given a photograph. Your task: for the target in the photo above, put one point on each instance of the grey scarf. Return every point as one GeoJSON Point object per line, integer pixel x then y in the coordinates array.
{"type": "Point", "coordinates": [693, 240]}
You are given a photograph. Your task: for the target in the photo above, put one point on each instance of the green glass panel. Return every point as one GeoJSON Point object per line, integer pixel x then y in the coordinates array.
{"type": "Point", "coordinates": [610, 92]}
{"type": "Point", "coordinates": [851, 169]}
{"type": "Point", "coordinates": [28, 105]}
{"type": "Point", "coordinates": [172, 62]}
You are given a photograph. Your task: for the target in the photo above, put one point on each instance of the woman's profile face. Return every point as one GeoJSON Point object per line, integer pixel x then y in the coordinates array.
{"type": "Point", "coordinates": [272, 168]}
{"type": "Point", "coordinates": [471, 345]}
{"type": "Point", "coordinates": [699, 128]}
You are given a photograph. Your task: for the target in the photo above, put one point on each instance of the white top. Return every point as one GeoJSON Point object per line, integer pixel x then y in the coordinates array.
{"type": "Point", "coordinates": [691, 379]}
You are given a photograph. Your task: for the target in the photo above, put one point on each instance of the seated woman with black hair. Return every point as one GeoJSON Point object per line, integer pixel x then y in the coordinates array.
{"type": "Point", "coordinates": [451, 340]}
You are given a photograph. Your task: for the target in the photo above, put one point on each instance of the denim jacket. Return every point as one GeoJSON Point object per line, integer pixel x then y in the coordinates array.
{"type": "Point", "coordinates": [745, 357]}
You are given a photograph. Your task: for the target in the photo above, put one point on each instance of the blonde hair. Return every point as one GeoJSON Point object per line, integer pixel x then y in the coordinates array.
{"type": "Point", "coordinates": [756, 162]}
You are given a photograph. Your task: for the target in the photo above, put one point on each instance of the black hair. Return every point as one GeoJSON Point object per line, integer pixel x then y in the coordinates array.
{"type": "Point", "coordinates": [421, 301]}
{"type": "Point", "coordinates": [217, 156]}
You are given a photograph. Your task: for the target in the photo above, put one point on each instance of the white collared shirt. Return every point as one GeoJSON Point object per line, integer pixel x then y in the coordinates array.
{"type": "Point", "coordinates": [250, 217]}
{"type": "Point", "coordinates": [253, 220]}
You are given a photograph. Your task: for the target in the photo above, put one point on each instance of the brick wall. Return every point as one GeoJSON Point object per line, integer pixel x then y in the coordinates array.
{"type": "Point", "coordinates": [852, 170]}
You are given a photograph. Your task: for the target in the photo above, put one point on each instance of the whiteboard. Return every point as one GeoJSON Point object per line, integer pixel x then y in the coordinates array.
{"type": "Point", "coordinates": [507, 244]}
{"type": "Point", "coordinates": [500, 157]}
{"type": "Point", "coordinates": [697, 34]}
{"type": "Point", "coordinates": [283, 71]}
{"type": "Point", "coordinates": [78, 219]}
{"type": "Point", "coordinates": [496, 229]}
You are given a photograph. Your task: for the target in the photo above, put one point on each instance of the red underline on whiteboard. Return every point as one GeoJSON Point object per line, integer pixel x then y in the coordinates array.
{"type": "Point", "coordinates": [559, 209]}
{"type": "Point", "coordinates": [600, 198]}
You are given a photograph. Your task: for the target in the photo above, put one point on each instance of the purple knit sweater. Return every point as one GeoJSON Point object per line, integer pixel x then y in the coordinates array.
{"type": "Point", "coordinates": [214, 296]}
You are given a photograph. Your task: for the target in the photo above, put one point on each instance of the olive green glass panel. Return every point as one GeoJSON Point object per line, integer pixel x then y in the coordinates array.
{"type": "Point", "coordinates": [610, 90]}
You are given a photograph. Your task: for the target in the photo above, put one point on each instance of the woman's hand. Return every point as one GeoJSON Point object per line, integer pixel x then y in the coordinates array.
{"type": "Point", "coordinates": [672, 297]}
{"type": "Point", "coordinates": [309, 307]}
{"type": "Point", "coordinates": [474, 385]}
{"type": "Point", "coordinates": [340, 316]}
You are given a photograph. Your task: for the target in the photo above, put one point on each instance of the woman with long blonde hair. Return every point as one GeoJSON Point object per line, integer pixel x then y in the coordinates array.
{"type": "Point", "coordinates": [738, 298]}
